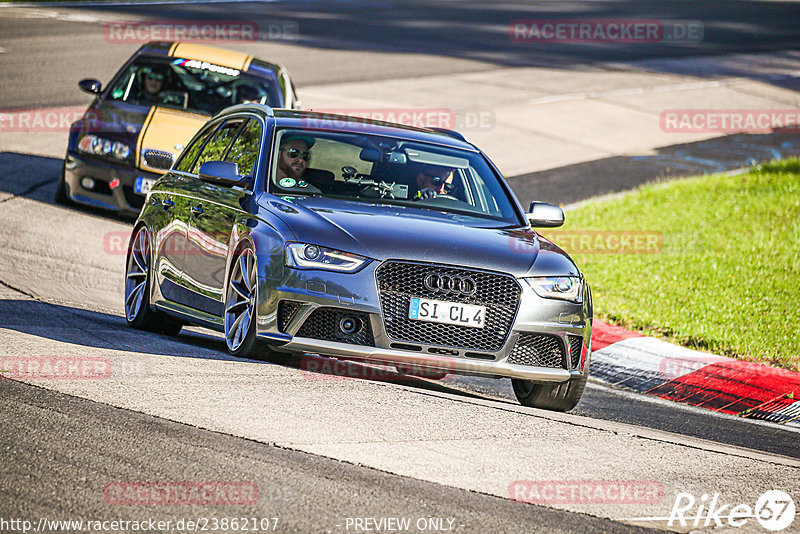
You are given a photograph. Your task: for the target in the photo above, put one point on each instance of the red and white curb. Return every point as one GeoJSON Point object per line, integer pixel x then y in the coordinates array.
{"type": "Point", "coordinates": [648, 365]}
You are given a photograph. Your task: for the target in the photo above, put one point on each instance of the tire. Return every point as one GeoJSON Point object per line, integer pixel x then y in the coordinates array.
{"type": "Point", "coordinates": [138, 312]}
{"type": "Point", "coordinates": [241, 299]}
{"type": "Point", "coordinates": [558, 396]}
{"type": "Point", "coordinates": [61, 196]}
{"type": "Point", "coordinates": [420, 372]}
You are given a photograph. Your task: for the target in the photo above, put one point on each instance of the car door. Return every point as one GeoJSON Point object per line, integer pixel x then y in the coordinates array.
{"type": "Point", "coordinates": [165, 209]}
{"type": "Point", "coordinates": [169, 205]}
{"type": "Point", "coordinates": [214, 210]}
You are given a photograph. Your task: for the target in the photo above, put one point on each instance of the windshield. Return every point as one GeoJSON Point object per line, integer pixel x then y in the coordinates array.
{"type": "Point", "coordinates": [191, 85]}
{"type": "Point", "coordinates": [385, 170]}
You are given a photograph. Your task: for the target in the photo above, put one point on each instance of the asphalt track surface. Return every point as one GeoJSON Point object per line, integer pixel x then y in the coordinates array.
{"type": "Point", "coordinates": [369, 40]}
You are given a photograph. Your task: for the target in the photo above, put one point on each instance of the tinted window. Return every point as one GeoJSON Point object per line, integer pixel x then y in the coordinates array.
{"type": "Point", "coordinates": [217, 147]}
{"type": "Point", "coordinates": [244, 151]}
{"type": "Point", "coordinates": [391, 171]}
{"type": "Point", "coordinates": [190, 153]}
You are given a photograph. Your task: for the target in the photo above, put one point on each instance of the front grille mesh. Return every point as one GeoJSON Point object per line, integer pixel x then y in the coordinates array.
{"type": "Point", "coordinates": [323, 323]}
{"type": "Point", "coordinates": [541, 350]}
{"type": "Point", "coordinates": [575, 347]}
{"type": "Point", "coordinates": [399, 281]}
{"type": "Point", "coordinates": [158, 159]}
{"type": "Point", "coordinates": [286, 312]}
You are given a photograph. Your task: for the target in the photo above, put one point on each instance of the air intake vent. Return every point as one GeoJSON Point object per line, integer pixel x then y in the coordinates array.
{"type": "Point", "coordinates": [541, 350]}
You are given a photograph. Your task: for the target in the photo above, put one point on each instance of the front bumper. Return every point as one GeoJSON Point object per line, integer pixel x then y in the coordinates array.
{"type": "Point", "coordinates": [121, 198]}
{"type": "Point", "coordinates": [319, 296]}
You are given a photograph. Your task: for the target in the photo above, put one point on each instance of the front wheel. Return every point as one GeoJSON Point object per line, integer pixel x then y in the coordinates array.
{"type": "Point", "coordinates": [240, 305]}
{"type": "Point", "coordinates": [138, 313]}
{"type": "Point", "coordinates": [556, 396]}
{"type": "Point", "coordinates": [61, 196]}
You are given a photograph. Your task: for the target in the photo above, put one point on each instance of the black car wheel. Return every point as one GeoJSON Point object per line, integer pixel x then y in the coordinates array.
{"type": "Point", "coordinates": [558, 396]}
{"type": "Point", "coordinates": [61, 196]}
{"type": "Point", "coordinates": [137, 289]}
{"type": "Point", "coordinates": [240, 305]}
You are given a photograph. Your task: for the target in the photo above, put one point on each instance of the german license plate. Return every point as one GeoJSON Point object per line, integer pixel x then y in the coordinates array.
{"type": "Point", "coordinates": [440, 311]}
{"type": "Point", "coordinates": [143, 185]}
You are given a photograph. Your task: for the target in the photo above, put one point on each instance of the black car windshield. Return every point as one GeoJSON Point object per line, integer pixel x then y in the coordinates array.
{"type": "Point", "coordinates": [386, 170]}
{"type": "Point", "coordinates": [191, 85]}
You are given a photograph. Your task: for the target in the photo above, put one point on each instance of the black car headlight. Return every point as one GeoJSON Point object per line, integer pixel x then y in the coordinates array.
{"type": "Point", "coordinates": [98, 146]}
{"type": "Point", "coordinates": [558, 287]}
{"type": "Point", "coordinates": [307, 256]}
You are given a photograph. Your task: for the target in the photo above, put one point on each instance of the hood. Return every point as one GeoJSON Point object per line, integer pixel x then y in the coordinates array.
{"type": "Point", "coordinates": [385, 232]}
{"type": "Point", "coordinates": [166, 130]}
{"type": "Point", "coordinates": [143, 128]}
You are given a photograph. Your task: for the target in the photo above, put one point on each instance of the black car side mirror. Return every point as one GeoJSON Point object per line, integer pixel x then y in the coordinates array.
{"type": "Point", "coordinates": [545, 215]}
{"type": "Point", "coordinates": [220, 172]}
{"type": "Point", "coordinates": [91, 86]}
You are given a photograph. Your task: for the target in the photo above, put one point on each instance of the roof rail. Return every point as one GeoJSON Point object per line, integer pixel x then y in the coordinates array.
{"type": "Point", "coordinates": [451, 133]}
{"type": "Point", "coordinates": [252, 106]}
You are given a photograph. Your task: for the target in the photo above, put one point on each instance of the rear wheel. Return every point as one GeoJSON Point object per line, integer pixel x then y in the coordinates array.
{"type": "Point", "coordinates": [137, 289]}
{"type": "Point", "coordinates": [556, 396]}
{"type": "Point", "coordinates": [240, 305]}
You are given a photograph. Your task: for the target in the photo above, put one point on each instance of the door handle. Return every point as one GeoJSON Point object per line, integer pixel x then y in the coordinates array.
{"type": "Point", "coordinates": [198, 210]}
{"type": "Point", "coordinates": [167, 204]}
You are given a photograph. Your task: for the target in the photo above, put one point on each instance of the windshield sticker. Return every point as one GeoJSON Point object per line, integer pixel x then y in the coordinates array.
{"type": "Point", "coordinates": [302, 183]}
{"type": "Point", "coordinates": [287, 182]}
{"type": "Point", "coordinates": [195, 64]}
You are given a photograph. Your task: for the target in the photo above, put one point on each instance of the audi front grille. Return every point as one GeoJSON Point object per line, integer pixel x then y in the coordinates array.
{"type": "Point", "coordinates": [399, 281]}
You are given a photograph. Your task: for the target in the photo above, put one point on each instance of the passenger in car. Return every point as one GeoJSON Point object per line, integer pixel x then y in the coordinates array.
{"type": "Point", "coordinates": [433, 181]}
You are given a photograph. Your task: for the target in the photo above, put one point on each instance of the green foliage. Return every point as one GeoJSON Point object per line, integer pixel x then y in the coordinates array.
{"type": "Point", "coordinates": [727, 276]}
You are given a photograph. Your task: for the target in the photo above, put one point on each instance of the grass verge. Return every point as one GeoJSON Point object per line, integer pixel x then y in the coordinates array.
{"type": "Point", "coordinates": [712, 263]}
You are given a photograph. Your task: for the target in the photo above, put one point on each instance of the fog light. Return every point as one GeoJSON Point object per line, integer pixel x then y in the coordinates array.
{"type": "Point", "coordinates": [87, 183]}
{"type": "Point", "coordinates": [349, 325]}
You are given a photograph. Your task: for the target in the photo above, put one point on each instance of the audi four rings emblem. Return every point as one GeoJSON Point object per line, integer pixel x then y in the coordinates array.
{"type": "Point", "coordinates": [447, 283]}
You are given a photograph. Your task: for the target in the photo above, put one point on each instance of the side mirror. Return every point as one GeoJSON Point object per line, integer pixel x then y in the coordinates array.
{"type": "Point", "coordinates": [91, 86]}
{"type": "Point", "coordinates": [220, 172]}
{"type": "Point", "coordinates": [545, 215]}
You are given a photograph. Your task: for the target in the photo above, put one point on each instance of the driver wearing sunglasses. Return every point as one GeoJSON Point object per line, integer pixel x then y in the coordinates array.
{"type": "Point", "coordinates": [294, 156]}
{"type": "Point", "coordinates": [433, 181]}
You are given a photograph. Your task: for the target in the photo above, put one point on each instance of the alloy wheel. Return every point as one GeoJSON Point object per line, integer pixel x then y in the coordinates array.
{"type": "Point", "coordinates": [136, 276]}
{"type": "Point", "coordinates": [241, 300]}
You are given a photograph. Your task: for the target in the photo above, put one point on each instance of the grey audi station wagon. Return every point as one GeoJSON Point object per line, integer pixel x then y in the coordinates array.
{"type": "Point", "coordinates": [356, 239]}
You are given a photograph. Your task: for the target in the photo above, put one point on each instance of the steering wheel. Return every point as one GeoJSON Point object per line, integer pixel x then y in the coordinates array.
{"type": "Point", "coordinates": [446, 197]}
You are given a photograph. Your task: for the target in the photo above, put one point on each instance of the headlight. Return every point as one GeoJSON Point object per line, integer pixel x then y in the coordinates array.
{"type": "Point", "coordinates": [306, 256]}
{"type": "Point", "coordinates": [91, 144]}
{"type": "Point", "coordinates": [558, 287]}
